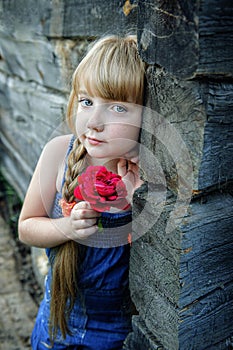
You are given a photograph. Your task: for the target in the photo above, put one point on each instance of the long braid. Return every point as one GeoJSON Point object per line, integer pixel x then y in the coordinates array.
{"type": "Point", "coordinates": [65, 267]}
{"type": "Point", "coordinates": [75, 164]}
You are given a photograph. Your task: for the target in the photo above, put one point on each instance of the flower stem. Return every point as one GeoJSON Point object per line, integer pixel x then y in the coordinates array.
{"type": "Point", "coordinates": [100, 226]}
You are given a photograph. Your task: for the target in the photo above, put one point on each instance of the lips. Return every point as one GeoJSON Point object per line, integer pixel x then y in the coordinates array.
{"type": "Point", "coordinates": [94, 141]}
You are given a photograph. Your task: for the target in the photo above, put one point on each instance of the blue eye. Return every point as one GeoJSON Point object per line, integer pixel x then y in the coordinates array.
{"type": "Point", "coordinates": [119, 109]}
{"type": "Point", "coordinates": [85, 102]}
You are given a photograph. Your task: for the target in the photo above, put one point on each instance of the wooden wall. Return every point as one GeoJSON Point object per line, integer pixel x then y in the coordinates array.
{"type": "Point", "coordinates": [181, 266]}
{"type": "Point", "coordinates": [183, 277]}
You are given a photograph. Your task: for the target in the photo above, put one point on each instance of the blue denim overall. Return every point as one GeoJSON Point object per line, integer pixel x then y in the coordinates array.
{"type": "Point", "coordinates": [101, 316]}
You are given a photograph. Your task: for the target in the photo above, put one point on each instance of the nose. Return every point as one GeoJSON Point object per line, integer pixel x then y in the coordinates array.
{"type": "Point", "coordinates": [95, 121]}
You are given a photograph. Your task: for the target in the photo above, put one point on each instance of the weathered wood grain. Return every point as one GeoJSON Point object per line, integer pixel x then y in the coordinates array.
{"type": "Point", "coordinates": [188, 39]}
{"type": "Point", "coordinates": [207, 245]}
{"type": "Point", "coordinates": [147, 338]}
{"type": "Point", "coordinates": [201, 306]}
{"type": "Point", "coordinates": [154, 282]}
{"type": "Point", "coordinates": [27, 126]}
{"type": "Point", "coordinates": [157, 312]}
{"type": "Point", "coordinates": [218, 134]}
{"type": "Point", "coordinates": [207, 323]}
{"type": "Point", "coordinates": [217, 155]}
{"type": "Point", "coordinates": [215, 38]}
{"type": "Point", "coordinates": [168, 35]}
{"type": "Point", "coordinates": [47, 63]}
{"type": "Point", "coordinates": [94, 18]}
{"type": "Point", "coordinates": [180, 105]}
{"type": "Point", "coordinates": [218, 99]}
{"type": "Point", "coordinates": [70, 19]}
{"type": "Point", "coordinates": [206, 271]}
{"type": "Point", "coordinates": [23, 16]}
{"type": "Point", "coordinates": [202, 114]}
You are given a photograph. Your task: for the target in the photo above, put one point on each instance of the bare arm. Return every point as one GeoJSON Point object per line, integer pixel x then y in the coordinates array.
{"type": "Point", "coordinates": [35, 227]}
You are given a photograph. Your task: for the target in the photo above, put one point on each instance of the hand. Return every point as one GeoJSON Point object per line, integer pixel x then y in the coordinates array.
{"type": "Point", "coordinates": [133, 155]}
{"type": "Point", "coordinates": [83, 221]}
{"type": "Point", "coordinates": [129, 171]}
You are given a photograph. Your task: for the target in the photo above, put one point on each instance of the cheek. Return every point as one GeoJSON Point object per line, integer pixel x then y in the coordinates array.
{"type": "Point", "coordinates": [130, 133]}
{"type": "Point", "coordinates": [80, 126]}
{"type": "Point", "coordinates": [136, 133]}
{"type": "Point", "coordinates": [132, 130]}
{"type": "Point", "coordinates": [126, 139]}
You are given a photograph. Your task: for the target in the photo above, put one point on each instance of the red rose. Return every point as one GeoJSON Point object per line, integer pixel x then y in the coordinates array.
{"type": "Point", "coordinates": [102, 189]}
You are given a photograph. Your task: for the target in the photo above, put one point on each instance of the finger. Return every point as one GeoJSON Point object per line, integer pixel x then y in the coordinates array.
{"type": "Point", "coordinates": [82, 224]}
{"type": "Point", "coordinates": [132, 171]}
{"type": "Point", "coordinates": [79, 214]}
{"type": "Point", "coordinates": [135, 159]}
{"type": "Point", "coordinates": [132, 178]}
{"type": "Point", "coordinates": [85, 233]}
{"type": "Point", "coordinates": [133, 167]}
{"type": "Point", "coordinates": [122, 167]}
{"type": "Point", "coordinates": [83, 210]}
{"type": "Point", "coordinates": [82, 205]}
{"type": "Point", "coordinates": [134, 175]}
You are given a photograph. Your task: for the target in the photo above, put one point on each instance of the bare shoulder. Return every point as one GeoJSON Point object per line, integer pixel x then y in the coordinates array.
{"type": "Point", "coordinates": [59, 143]}
{"type": "Point", "coordinates": [56, 148]}
{"type": "Point", "coordinates": [56, 151]}
{"type": "Point", "coordinates": [52, 161]}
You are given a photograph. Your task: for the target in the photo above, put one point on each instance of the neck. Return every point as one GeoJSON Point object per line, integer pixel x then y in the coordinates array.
{"type": "Point", "coordinates": [110, 164]}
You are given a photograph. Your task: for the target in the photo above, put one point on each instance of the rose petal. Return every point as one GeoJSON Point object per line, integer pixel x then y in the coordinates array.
{"type": "Point", "coordinates": [101, 188]}
{"type": "Point", "coordinates": [77, 193]}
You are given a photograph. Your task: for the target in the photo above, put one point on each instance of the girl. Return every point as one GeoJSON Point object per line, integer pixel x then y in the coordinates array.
{"type": "Point", "coordinates": [87, 303]}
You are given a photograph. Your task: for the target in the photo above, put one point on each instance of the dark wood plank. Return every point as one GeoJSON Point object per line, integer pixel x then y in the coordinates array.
{"type": "Point", "coordinates": [216, 38]}
{"type": "Point", "coordinates": [207, 323]}
{"type": "Point", "coordinates": [217, 155]}
{"type": "Point", "coordinates": [188, 39]}
{"type": "Point", "coordinates": [141, 338]}
{"type": "Point", "coordinates": [206, 274]}
{"type": "Point", "coordinates": [168, 35]}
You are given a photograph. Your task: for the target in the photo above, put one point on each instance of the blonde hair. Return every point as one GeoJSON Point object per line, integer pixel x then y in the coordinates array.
{"type": "Point", "coordinates": [112, 69]}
